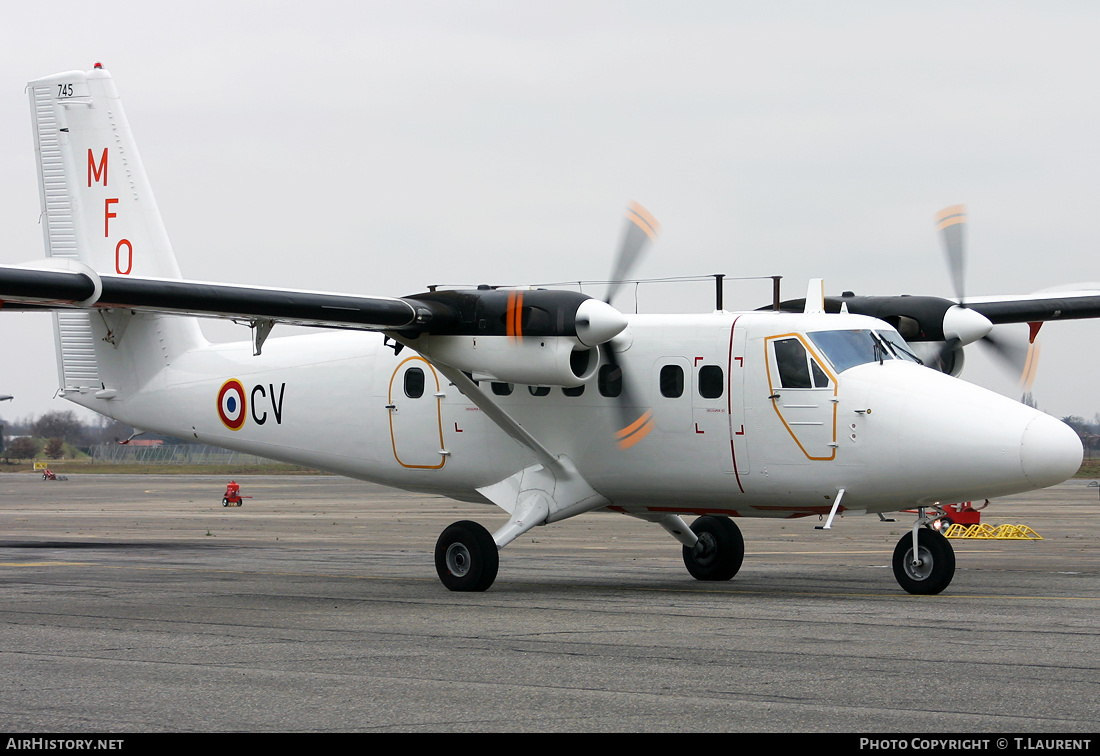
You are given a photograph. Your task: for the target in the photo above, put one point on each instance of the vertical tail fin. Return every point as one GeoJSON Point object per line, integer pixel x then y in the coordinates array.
{"type": "Point", "coordinates": [98, 210]}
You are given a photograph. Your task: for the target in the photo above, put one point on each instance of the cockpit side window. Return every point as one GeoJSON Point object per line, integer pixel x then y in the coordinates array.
{"type": "Point", "coordinates": [820, 379]}
{"type": "Point", "coordinates": [790, 357]}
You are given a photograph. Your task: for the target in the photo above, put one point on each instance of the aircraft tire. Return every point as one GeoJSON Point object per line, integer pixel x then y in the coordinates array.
{"type": "Point", "coordinates": [720, 550]}
{"type": "Point", "coordinates": [937, 565]}
{"type": "Point", "coordinates": [466, 557]}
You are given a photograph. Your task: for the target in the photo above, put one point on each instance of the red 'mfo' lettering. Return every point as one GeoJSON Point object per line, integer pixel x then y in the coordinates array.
{"type": "Point", "coordinates": [129, 257]}
{"type": "Point", "coordinates": [97, 172]}
{"type": "Point", "coordinates": [107, 215]}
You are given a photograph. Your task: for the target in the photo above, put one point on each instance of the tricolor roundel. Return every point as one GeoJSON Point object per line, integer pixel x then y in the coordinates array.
{"type": "Point", "coordinates": [231, 404]}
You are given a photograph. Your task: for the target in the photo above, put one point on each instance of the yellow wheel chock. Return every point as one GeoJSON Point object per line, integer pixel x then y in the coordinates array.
{"type": "Point", "coordinates": [984, 531]}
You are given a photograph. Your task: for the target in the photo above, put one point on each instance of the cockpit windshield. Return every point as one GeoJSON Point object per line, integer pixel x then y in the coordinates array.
{"type": "Point", "coordinates": [898, 346]}
{"type": "Point", "coordinates": [845, 349]}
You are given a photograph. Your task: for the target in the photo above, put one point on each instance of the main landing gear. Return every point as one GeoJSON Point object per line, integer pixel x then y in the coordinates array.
{"type": "Point", "coordinates": [928, 569]}
{"type": "Point", "coordinates": [466, 557]}
{"type": "Point", "coordinates": [718, 553]}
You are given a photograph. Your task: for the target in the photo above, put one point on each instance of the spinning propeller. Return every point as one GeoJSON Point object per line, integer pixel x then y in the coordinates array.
{"type": "Point", "coordinates": [641, 229]}
{"type": "Point", "coordinates": [963, 325]}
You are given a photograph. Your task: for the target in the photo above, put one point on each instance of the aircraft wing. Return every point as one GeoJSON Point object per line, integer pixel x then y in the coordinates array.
{"type": "Point", "coordinates": [26, 288]}
{"type": "Point", "coordinates": [481, 312]}
{"type": "Point", "coordinates": [1033, 308]}
{"type": "Point", "coordinates": [921, 318]}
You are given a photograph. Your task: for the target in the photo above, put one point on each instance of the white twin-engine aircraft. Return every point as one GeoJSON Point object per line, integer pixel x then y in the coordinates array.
{"type": "Point", "coordinates": [547, 403]}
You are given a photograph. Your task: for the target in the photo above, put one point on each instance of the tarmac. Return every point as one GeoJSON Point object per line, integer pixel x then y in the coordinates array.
{"type": "Point", "coordinates": [137, 603]}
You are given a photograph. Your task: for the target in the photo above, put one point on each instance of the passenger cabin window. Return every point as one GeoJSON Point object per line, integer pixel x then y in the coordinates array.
{"type": "Point", "coordinates": [502, 389]}
{"type": "Point", "coordinates": [672, 381]}
{"type": "Point", "coordinates": [414, 383]}
{"type": "Point", "coordinates": [539, 390]}
{"type": "Point", "coordinates": [610, 380]}
{"type": "Point", "coordinates": [711, 381]}
{"type": "Point", "coordinates": [573, 391]}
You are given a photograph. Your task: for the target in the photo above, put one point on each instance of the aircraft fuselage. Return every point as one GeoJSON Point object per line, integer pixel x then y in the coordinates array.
{"type": "Point", "coordinates": [737, 430]}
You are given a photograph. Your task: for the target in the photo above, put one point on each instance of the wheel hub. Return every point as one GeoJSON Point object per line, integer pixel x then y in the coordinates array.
{"type": "Point", "coordinates": [458, 559]}
{"type": "Point", "coordinates": [705, 549]}
{"type": "Point", "coordinates": [921, 567]}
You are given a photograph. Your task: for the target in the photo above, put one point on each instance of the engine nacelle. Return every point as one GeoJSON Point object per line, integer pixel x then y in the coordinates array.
{"type": "Point", "coordinates": [529, 360]}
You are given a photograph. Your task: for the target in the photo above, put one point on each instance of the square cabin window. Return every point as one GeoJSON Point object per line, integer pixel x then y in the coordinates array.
{"type": "Point", "coordinates": [610, 380]}
{"type": "Point", "coordinates": [414, 383]}
{"type": "Point", "coordinates": [711, 381]}
{"type": "Point", "coordinates": [672, 381]}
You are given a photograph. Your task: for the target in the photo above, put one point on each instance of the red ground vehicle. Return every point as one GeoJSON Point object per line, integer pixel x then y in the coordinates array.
{"type": "Point", "coordinates": [962, 513]}
{"type": "Point", "coordinates": [232, 496]}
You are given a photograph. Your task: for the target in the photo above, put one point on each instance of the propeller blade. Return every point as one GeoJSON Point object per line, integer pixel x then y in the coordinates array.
{"type": "Point", "coordinates": [945, 358]}
{"type": "Point", "coordinates": [1012, 355]}
{"type": "Point", "coordinates": [1031, 366]}
{"type": "Point", "coordinates": [951, 221]}
{"type": "Point", "coordinates": [634, 424]}
{"type": "Point", "coordinates": [641, 229]}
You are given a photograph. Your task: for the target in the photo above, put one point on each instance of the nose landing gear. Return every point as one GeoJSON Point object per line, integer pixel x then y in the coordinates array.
{"type": "Point", "coordinates": [927, 569]}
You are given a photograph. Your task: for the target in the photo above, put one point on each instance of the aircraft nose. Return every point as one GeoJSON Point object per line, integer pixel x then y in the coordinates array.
{"type": "Point", "coordinates": [1050, 451]}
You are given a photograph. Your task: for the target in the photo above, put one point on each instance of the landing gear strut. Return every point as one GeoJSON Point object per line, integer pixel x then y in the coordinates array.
{"type": "Point", "coordinates": [928, 571]}
{"type": "Point", "coordinates": [718, 553]}
{"type": "Point", "coordinates": [466, 557]}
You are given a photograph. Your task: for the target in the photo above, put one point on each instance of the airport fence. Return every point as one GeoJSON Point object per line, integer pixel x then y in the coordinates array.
{"type": "Point", "coordinates": [173, 454]}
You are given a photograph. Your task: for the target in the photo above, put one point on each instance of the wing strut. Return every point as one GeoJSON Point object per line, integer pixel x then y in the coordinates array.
{"type": "Point", "coordinates": [551, 490]}
{"type": "Point", "coordinates": [261, 329]}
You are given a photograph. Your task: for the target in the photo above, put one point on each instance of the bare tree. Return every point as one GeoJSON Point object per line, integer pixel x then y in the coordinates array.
{"type": "Point", "coordinates": [20, 448]}
{"type": "Point", "coordinates": [63, 425]}
{"type": "Point", "coordinates": [55, 448]}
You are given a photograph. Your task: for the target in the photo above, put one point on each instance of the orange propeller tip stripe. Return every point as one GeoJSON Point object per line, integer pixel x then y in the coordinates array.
{"type": "Point", "coordinates": [1031, 366]}
{"type": "Point", "coordinates": [950, 216]}
{"type": "Point", "coordinates": [635, 432]}
{"type": "Point", "coordinates": [643, 219]}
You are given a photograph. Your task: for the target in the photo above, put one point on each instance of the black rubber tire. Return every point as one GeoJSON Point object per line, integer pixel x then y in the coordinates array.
{"type": "Point", "coordinates": [937, 565]}
{"type": "Point", "coordinates": [225, 502]}
{"type": "Point", "coordinates": [466, 557]}
{"type": "Point", "coordinates": [720, 550]}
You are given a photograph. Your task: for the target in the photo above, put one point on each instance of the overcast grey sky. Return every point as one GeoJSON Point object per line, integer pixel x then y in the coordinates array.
{"type": "Point", "coordinates": [379, 147]}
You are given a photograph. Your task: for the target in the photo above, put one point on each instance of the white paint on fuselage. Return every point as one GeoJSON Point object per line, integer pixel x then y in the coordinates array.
{"type": "Point", "coordinates": [904, 434]}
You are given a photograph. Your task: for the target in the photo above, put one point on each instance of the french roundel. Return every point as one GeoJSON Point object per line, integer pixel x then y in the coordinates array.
{"type": "Point", "coordinates": [231, 404]}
